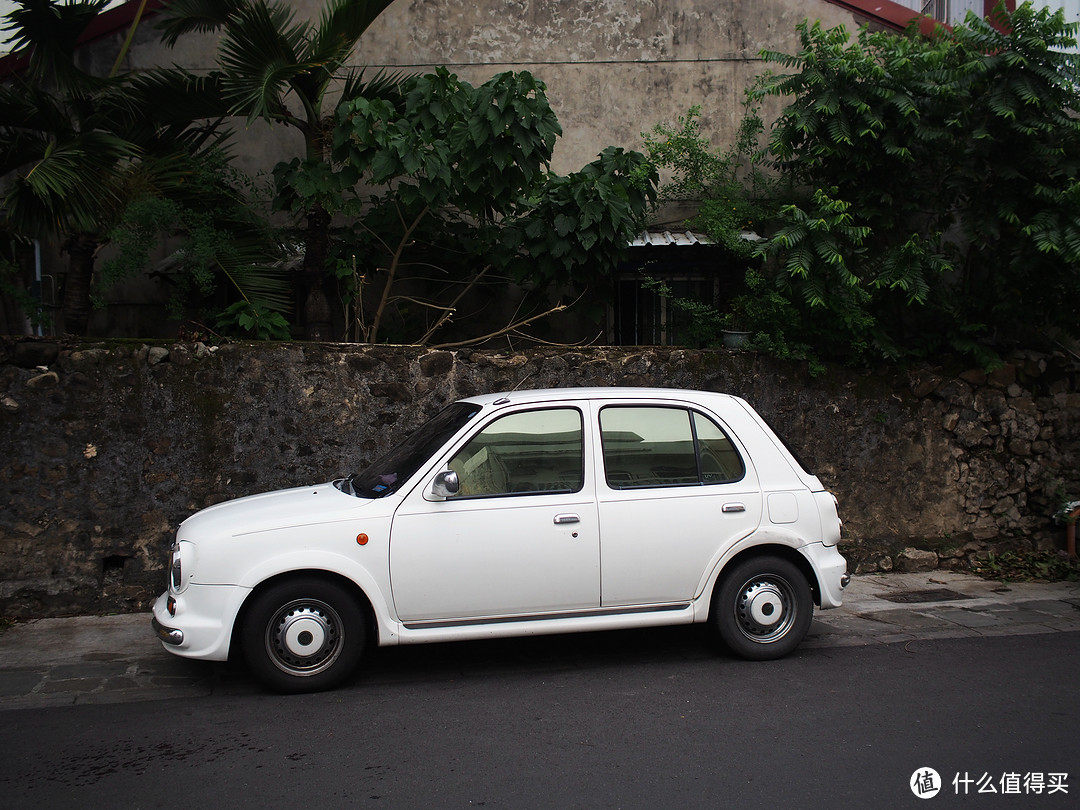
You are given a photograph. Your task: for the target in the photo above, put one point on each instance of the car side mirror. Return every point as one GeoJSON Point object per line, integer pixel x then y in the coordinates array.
{"type": "Point", "coordinates": [445, 485]}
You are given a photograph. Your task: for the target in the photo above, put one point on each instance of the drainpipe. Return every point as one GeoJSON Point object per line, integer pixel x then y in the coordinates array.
{"type": "Point", "coordinates": [1070, 532]}
{"type": "Point", "coordinates": [37, 279]}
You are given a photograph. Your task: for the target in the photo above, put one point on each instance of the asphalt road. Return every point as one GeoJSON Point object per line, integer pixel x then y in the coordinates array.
{"type": "Point", "coordinates": [643, 719]}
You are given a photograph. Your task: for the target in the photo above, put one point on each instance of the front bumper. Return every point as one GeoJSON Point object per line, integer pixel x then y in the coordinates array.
{"type": "Point", "coordinates": [167, 635]}
{"type": "Point", "coordinates": [202, 621]}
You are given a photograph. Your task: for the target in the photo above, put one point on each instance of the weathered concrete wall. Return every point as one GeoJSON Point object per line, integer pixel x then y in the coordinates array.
{"type": "Point", "coordinates": [105, 448]}
{"type": "Point", "coordinates": [613, 67]}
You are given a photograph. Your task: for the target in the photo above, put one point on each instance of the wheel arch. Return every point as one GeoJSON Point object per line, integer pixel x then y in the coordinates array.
{"type": "Point", "coordinates": [782, 550]}
{"type": "Point", "coordinates": [363, 601]}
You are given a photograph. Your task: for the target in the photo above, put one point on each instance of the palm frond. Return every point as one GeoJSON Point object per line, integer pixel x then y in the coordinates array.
{"type": "Point", "coordinates": [177, 95]}
{"type": "Point", "coordinates": [382, 85]}
{"type": "Point", "coordinates": [95, 150]}
{"type": "Point", "coordinates": [257, 279]}
{"type": "Point", "coordinates": [181, 17]}
{"type": "Point", "coordinates": [253, 265]}
{"type": "Point", "coordinates": [70, 187]}
{"type": "Point", "coordinates": [332, 40]}
{"type": "Point", "coordinates": [341, 24]}
{"type": "Point", "coordinates": [168, 173]}
{"type": "Point", "coordinates": [260, 55]}
{"type": "Point", "coordinates": [28, 107]}
{"type": "Point", "coordinates": [49, 32]}
{"type": "Point", "coordinates": [21, 148]}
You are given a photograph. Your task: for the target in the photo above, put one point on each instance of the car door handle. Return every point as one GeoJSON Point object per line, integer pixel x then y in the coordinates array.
{"type": "Point", "coordinates": [567, 517]}
{"type": "Point", "coordinates": [733, 507]}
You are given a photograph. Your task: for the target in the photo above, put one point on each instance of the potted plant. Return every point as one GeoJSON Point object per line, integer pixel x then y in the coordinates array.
{"type": "Point", "coordinates": [735, 328]}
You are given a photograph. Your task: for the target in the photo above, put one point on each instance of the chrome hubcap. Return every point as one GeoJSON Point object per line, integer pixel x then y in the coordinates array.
{"type": "Point", "coordinates": [765, 609]}
{"type": "Point", "coordinates": [304, 637]}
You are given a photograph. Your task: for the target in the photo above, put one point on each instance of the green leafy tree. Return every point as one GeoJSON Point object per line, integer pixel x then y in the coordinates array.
{"type": "Point", "coordinates": [821, 245]}
{"type": "Point", "coordinates": [735, 196]}
{"type": "Point", "coordinates": [957, 154]}
{"type": "Point", "coordinates": [925, 192]}
{"type": "Point", "coordinates": [463, 190]}
{"type": "Point", "coordinates": [737, 200]}
{"type": "Point", "coordinates": [278, 69]}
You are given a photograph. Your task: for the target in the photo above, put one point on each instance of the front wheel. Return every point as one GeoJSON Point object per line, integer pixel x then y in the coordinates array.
{"type": "Point", "coordinates": [762, 608]}
{"type": "Point", "coordinates": [303, 635]}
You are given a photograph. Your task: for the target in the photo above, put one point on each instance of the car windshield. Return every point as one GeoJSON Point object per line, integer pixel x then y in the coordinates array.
{"type": "Point", "coordinates": [385, 475]}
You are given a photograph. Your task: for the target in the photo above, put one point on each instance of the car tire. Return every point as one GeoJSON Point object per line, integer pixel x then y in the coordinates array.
{"type": "Point", "coordinates": [303, 635]}
{"type": "Point", "coordinates": [762, 608]}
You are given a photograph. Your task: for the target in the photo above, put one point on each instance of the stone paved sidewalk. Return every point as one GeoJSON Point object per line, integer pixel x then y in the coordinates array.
{"type": "Point", "coordinates": [889, 608]}
{"type": "Point", "coordinates": [115, 659]}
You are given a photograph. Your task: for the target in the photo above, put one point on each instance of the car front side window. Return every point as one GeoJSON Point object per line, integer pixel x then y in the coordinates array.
{"type": "Point", "coordinates": [530, 452]}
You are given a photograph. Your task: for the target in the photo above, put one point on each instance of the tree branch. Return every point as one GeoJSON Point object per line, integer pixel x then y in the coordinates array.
{"type": "Point", "coordinates": [453, 306]}
{"type": "Point", "coordinates": [391, 272]}
{"type": "Point", "coordinates": [419, 302]}
{"type": "Point", "coordinates": [512, 327]}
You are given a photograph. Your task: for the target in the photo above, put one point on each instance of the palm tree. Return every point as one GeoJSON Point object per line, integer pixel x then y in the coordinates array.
{"type": "Point", "coordinates": [65, 159]}
{"type": "Point", "coordinates": [77, 149]}
{"type": "Point", "coordinates": [280, 70]}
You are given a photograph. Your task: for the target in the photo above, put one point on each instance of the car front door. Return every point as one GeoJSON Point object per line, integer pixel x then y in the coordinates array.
{"type": "Point", "coordinates": [520, 537]}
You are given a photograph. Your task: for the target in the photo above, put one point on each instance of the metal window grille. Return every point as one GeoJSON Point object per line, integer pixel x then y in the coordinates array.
{"type": "Point", "coordinates": [938, 9]}
{"type": "Point", "coordinates": [643, 318]}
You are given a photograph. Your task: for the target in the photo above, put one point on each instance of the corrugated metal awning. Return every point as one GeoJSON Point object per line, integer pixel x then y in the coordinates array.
{"type": "Point", "coordinates": [662, 238]}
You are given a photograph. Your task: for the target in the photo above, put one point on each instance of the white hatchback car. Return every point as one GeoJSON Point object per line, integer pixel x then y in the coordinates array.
{"type": "Point", "coordinates": [514, 514]}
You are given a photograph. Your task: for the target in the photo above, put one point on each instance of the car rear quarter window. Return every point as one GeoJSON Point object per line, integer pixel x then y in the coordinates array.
{"type": "Point", "coordinates": [657, 446]}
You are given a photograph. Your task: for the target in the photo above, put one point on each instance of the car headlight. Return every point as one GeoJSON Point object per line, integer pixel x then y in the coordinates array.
{"type": "Point", "coordinates": [180, 565]}
{"type": "Point", "coordinates": [176, 567]}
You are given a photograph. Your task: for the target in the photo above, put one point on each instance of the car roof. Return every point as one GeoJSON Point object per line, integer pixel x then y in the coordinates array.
{"type": "Point", "coordinates": [612, 392]}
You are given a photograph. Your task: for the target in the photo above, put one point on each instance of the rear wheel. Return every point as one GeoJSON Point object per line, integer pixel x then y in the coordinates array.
{"type": "Point", "coordinates": [303, 635]}
{"type": "Point", "coordinates": [762, 608]}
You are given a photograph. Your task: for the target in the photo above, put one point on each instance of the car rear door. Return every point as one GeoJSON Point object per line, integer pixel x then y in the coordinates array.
{"type": "Point", "coordinates": [673, 488]}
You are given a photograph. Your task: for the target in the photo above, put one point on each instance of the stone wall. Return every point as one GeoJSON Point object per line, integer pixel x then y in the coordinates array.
{"type": "Point", "coordinates": [105, 448]}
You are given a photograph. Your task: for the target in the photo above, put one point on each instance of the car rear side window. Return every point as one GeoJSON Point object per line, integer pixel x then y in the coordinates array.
{"type": "Point", "coordinates": [720, 461]}
{"type": "Point", "coordinates": [530, 452]}
{"type": "Point", "coordinates": [647, 446]}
